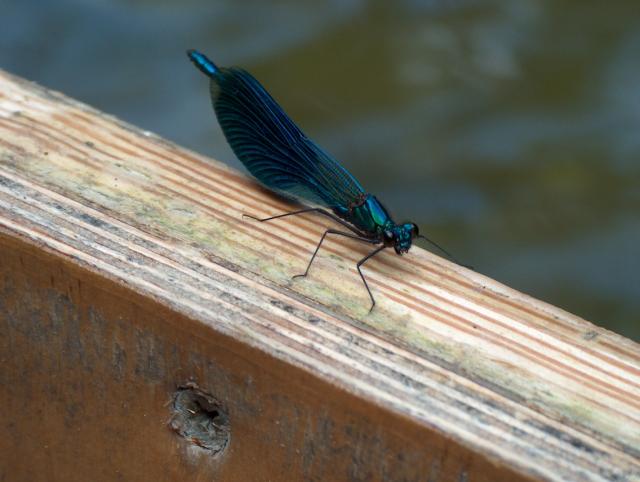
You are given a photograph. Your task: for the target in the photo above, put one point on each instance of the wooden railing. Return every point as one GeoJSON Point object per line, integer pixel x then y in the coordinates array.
{"type": "Point", "coordinates": [128, 278]}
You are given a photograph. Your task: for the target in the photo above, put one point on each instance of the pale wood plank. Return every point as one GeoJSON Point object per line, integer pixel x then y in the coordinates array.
{"type": "Point", "coordinates": [522, 382]}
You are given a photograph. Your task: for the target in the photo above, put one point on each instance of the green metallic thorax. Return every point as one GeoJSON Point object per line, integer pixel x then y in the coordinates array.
{"type": "Point", "coordinates": [369, 216]}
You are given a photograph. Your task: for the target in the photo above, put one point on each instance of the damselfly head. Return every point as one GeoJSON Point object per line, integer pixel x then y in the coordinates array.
{"type": "Point", "coordinates": [400, 236]}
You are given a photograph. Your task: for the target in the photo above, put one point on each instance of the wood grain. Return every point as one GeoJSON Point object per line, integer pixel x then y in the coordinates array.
{"type": "Point", "coordinates": [500, 376]}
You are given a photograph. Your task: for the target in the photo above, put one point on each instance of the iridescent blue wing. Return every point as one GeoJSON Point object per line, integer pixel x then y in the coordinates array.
{"type": "Point", "coordinates": [270, 145]}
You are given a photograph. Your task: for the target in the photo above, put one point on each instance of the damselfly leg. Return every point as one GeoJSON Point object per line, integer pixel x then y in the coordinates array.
{"type": "Point", "coordinates": [357, 236]}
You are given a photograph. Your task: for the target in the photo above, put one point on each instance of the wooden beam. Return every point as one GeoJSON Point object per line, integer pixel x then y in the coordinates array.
{"type": "Point", "coordinates": [128, 275]}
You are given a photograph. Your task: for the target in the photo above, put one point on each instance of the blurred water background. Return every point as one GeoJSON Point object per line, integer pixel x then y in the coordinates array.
{"type": "Point", "coordinates": [509, 130]}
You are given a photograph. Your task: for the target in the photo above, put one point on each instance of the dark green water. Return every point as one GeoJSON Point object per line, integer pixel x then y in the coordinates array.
{"type": "Point", "coordinates": [509, 130]}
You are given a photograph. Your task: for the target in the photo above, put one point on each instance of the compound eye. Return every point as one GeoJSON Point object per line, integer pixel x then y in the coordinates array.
{"type": "Point", "coordinates": [414, 229]}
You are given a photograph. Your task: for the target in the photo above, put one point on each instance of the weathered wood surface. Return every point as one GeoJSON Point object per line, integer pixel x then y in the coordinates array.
{"type": "Point", "coordinates": [126, 269]}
